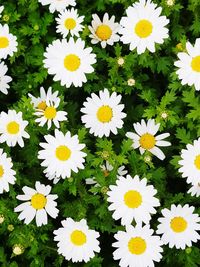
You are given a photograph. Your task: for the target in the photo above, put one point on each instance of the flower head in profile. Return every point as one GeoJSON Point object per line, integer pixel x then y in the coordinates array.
{"type": "Point", "coordinates": [105, 31]}
{"type": "Point", "coordinates": [38, 203]}
{"type": "Point", "coordinates": [145, 138]}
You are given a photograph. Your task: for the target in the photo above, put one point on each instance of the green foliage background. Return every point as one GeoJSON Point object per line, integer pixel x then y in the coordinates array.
{"type": "Point", "coordinates": [157, 89]}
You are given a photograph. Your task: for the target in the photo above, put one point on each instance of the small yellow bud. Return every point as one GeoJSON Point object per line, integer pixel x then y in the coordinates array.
{"type": "Point", "coordinates": [131, 82]}
{"type": "Point", "coordinates": [105, 154]}
{"type": "Point", "coordinates": [36, 27]}
{"type": "Point", "coordinates": [10, 227]}
{"type": "Point", "coordinates": [18, 249]}
{"type": "Point", "coordinates": [1, 218]}
{"type": "Point", "coordinates": [6, 18]}
{"type": "Point", "coordinates": [104, 190]}
{"type": "Point", "coordinates": [120, 61]}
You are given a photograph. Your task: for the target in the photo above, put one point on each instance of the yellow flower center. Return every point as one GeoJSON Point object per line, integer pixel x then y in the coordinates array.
{"type": "Point", "coordinates": [78, 238]}
{"type": "Point", "coordinates": [72, 62]}
{"type": "Point", "coordinates": [42, 105]}
{"type": "Point", "coordinates": [143, 28]}
{"type": "Point", "coordinates": [1, 171]}
{"type": "Point", "coordinates": [104, 114]}
{"type": "Point", "coordinates": [13, 127]}
{"type": "Point", "coordinates": [70, 24]}
{"type": "Point", "coordinates": [178, 224]}
{"type": "Point", "coordinates": [147, 141]}
{"type": "Point", "coordinates": [38, 201]}
{"type": "Point", "coordinates": [197, 162]}
{"type": "Point", "coordinates": [137, 245]}
{"type": "Point", "coordinates": [50, 113]}
{"type": "Point", "coordinates": [63, 153]}
{"type": "Point", "coordinates": [4, 42]}
{"type": "Point", "coordinates": [133, 199]}
{"type": "Point", "coordinates": [195, 63]}
{"type": "Point", "coordinates": [104, 32]}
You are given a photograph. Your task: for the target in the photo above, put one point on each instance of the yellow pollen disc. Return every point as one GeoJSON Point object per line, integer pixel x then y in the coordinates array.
{"type": "Point", "coordinates": [147, 141]}
{"type": "Point", "coordinates": [63, 153]}
{"type": "Point", "coordinates": [38, 201]}
{"type": "Point", "coordinates": [197, 162]}
{"type": "Point", "coordinates": [195, 63]}
{"type": "Point", "coordinates": [50, 113]}
{"type": "Point", "coordinates": [1, 171]}
{"type": "Point", "coordinates": [104, 32]}
{"type": "Point", "coordinates": [13, 127]}
{"type": "Point", "coordinates": [104, 114]}
{"type": "Point", "coordinates": [143, 28]}
{"type": "Point", "coordinates": [70, 24]}
{"type": "Point", "coordinates": [78, 238]}
{"type": "Point", "coordinates": [42, 105]}
{"type": "Point", "coordinates": [72, 62]}
{"type": "Point", "coordinates": [133, 199]}
{"type": "Point", "coordinates": [178, 224]}
{"type": "Point", "coordinates": [4, 42]}
{"type": "Point", "coordinates": [137, 245]}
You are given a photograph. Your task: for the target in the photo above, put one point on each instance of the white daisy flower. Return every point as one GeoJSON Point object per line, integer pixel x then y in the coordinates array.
{"type": "Point", "coordinates": [39, 203]}
{"type": "Point", "coordinates": [69, 61]}
{"type": "Point", "coordinates": [106, 168]}
{"type": "Point", "coordinates": [7, 174]}
{"type": "Point", "coordinates": [137, 247]}
{"type": "Point", "coordinates": [194, 190]}
{"type": "Point", "coordinates": [40, 102]}
{"type": "Point", "coordinates": [8, 42]}
{"type": "Point", "coordinates": [105, 32]}
{"type": "Point", "coordinates": [12, 128]}
{"type": "Point", "coordinates": [76, 241]}
{"type": "Point", "coordinates": [62, 154]}
{"type": "Point", "coordinates": [189, 65]}
{"type": "Point", "coordinates": [1, 10]}
{"type": "Point", "coordinates": [132, 199]}
{"type": "Point", "coordinates": [50, 114]}
{"type": "Point", "coordinates": [103, 114]}
{"type": "Point", "coordinates": [57, 5]}
{"type": "Point", "coordinates": [190, 162]}
{"type": "Point", "coordinates": [68, 21]}
{"type": "Point", "coordinates": [4, 79]}
{"type": "Point", "coordinates": [179, 226]}
{"type": "Point", "coordinates": [145, 138]}
{"type": "Point", "coordinates": [143, 26]}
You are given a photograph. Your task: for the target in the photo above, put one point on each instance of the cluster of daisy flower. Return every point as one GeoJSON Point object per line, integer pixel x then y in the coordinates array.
{"type": "Point", "coordinates": [131, 200]}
